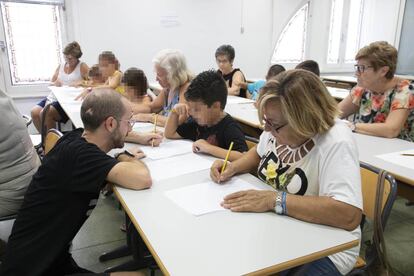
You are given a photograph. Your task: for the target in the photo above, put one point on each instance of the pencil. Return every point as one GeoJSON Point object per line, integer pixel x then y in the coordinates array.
{"type": "Point", "coordinates": [407, 154]}
{"type": "Point", "coordinates": [227, 158]}
{"type": "Point", "coordinates": [155, 129]}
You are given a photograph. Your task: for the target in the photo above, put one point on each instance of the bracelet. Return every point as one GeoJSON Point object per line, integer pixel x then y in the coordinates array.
{"type": "Point", "coordinates": [284, 203]}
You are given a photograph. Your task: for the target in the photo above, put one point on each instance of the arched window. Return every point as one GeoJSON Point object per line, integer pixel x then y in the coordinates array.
{"type": "Point", "coordinates": [290, 47]}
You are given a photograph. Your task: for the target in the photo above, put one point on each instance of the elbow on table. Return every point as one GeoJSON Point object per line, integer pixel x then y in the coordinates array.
{"type": "Point", "coordinates": [392, 132]}
{"type": "Point", "coordinates": [352, 220]}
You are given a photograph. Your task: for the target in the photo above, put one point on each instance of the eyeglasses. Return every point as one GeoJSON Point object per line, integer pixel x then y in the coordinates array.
{"type": "Point", "coordinates": [131, 122]}
{"type": "Point", "coordinates": [271, 126]}
{"type": "Point", "coordinates": [361, 68]}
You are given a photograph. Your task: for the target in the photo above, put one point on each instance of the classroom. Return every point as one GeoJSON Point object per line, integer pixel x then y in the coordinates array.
{"type": "Point", "coordinates": [206, 137]}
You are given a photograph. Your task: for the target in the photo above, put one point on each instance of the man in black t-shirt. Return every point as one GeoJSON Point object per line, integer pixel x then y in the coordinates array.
{"type": "Point", "coordinates": [66, 187]}
{"type": "Point", "coordinates": [208, 125]}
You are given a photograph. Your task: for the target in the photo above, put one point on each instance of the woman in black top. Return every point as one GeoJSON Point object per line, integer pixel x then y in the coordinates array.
{"type": "Point", "coordinates": [224, 58]}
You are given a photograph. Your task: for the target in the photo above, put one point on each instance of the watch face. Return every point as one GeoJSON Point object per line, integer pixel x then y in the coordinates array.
{"type": "Point", "coordinates": [278, 209]}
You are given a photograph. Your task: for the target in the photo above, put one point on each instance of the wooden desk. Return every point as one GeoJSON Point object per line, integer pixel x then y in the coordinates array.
{"type": "Point", "coordinates": [370, 147]}
{"type": "Point", "coordinates": [245, 112]}
{"type": "Point", "coordinates": [224, 243]}
{"type": "Point", "coordinates": [338, 93]}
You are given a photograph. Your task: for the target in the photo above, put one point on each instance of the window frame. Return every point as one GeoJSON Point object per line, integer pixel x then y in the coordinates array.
{"type": "Point", "coordinates": [343, 66]}
{"type": "Point", "coordinates": [26, 90]}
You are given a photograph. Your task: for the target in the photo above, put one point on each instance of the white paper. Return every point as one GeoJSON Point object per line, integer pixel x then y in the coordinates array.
{"type": "Point", "coordinates": [168, 148]}
{"type": "Point", "coordinates": [178, 165]}
{"type": "Point", "coordinates": [145, 127]}
{"type": "Point", "coordinates": [204, 198]}
{"type": "Point", "coordinates": [399, 159]}
{"type": "Point", "coordinates": [238, 100]}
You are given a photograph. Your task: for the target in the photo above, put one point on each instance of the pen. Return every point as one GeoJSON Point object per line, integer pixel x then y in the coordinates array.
{"type": "Point", "coordinates": [155, 129]}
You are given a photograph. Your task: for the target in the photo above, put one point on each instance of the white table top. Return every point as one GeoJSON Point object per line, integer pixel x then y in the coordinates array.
{"type": "Point", "coordinates": [155, 86]}
{"type": "Point", "coordinates": [66, 98]}
{"type": "Point", "coordinates": [370, 146]}
{"type": "Point", "coordinates": [224, 243]}
{"type": "Point", "coordinates": [338, 93]}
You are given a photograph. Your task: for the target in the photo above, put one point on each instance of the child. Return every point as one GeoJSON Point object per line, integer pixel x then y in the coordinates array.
{"type": "Point", "coordinates": [254, 87]}
{"type": "Point", "coordinates": [224, 57]}
{"type": "Point", "coordinates": [94, 78]}
{"type": "Point", "coordinates": [309, 65]}
{"type": "Point", "coordinates": [135, 89]}
{"type": "Point", "coordinates": [207, 124]}
{"type": "Point", "coordinates": [108, 66]}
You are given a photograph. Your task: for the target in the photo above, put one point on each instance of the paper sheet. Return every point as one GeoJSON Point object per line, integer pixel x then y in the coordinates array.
{"type": "Point", "coordinates": [399, 159]}
{"type": "Point", "coordinates": [145, 127]}
{"type": "Point", "coordinates": [204, 198]}
{"type": "Point", "coordinates": [238, 100]}
{"type": "Point", "coordinates": [168, 148]}
{"type": "Point", "coordinates": [178, 165]}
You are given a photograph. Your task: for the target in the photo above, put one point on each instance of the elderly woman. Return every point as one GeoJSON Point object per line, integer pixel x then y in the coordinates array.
{"type": "Point", "coordinates": [174, 77]}
{"type": "Point", "coordinates": [69, 73]}
{"type": "Point", "coordinates": [383, 103]}
{"type": "Point", "coordinates": [309, 157]}
{"type": "Point", "coordinates": [234, 77]}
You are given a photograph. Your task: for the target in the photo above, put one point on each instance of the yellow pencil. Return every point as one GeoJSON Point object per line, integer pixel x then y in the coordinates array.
{"type": "Point", "coordinates": [227, 158]}
{"type": "Point", "coordinates": [155, 129]}
{"type": "Point", "coordinates": [407, 154]}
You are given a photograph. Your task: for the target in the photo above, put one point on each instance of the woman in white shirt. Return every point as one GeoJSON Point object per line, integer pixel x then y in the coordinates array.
{"type": "Point", "coordinates": [68, 74]}
{"type": "Point", "coordinates": [309, 157]}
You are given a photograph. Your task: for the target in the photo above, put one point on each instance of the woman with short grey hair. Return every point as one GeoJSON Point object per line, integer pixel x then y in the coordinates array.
{"type": "Point", "coordinates": [174, 77]}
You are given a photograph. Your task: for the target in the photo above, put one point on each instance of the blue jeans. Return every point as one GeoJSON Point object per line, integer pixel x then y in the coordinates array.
{"type": "Point", "coordinates": [319, 267]}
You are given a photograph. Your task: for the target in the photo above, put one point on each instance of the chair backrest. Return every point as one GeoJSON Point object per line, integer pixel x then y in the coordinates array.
{"type": "Point", "coordinates": [251, 141]}
{"type": "Point", "coordinates": [43, 127]}
{"type": "Point", "coordinates": [369, 179]}
{"type": "Point", "coordinates": [53, 135]}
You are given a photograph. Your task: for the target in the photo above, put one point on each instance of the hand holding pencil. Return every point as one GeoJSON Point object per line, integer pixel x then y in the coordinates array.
{"type": "Point", "coordinates": [222, 170]}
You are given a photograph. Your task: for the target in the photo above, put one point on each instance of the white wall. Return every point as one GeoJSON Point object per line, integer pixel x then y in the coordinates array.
{"type": "Point", "coordinates": [134, 32]}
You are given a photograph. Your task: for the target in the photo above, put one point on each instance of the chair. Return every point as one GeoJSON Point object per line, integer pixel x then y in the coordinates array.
{"type": "Point", "coordinates": [53, 135]}
{"type": "Point", "coordinates": [251, 141]}
{"type": "Point", "coordinates": [36, 138]}
{"type": "Point", "coordinates": [379, 190]}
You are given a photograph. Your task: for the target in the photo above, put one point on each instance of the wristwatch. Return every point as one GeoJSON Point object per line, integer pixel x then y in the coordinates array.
{"type": "Point", "coordinates": [278, 205]}
{"type": "Point", "coordinates": [127, 152]}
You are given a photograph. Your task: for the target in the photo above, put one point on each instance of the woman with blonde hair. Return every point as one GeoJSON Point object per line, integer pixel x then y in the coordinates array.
{"type": "Point", "coordinates": [382, 102]}
{"type": "Point", "coordinates": [174, 77]}
{"type": "Point", "coordinates": [310, 159]}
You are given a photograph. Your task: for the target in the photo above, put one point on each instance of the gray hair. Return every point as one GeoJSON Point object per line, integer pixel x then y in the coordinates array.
{"type": "Point", "coordinates": [99, 105]}
{"type": "Point", "coordinates": [173, 61]}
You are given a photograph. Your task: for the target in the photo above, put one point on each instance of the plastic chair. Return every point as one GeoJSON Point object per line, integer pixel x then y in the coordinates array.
{"type": "Point", "coordinates": [53, 135]}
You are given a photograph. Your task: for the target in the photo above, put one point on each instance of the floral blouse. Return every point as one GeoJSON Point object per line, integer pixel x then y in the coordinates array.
{"type": "Point", "coordinates": [374, 108]}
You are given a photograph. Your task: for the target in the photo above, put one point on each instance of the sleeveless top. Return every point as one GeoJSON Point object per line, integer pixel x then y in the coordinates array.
{"type": "Point", "coordinates": [171, 99]}
{"type": "Point", "coordinates": [68, 79]}
{"type": "Point", "coordinates": [229, 79]}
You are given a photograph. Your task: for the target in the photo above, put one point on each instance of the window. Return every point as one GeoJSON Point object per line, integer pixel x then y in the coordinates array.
{"type": "Point", "coordinates": [344, 32]}
{"type": "Point", "coordinates": [290, 47]}
{"type": "Point", "coordinates": [33, 39]}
